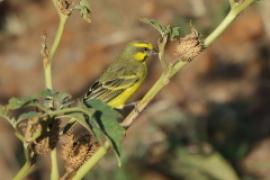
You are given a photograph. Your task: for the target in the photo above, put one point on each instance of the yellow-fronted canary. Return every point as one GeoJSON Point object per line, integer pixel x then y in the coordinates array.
{"type": "Point", "coordinates": [123, 77]}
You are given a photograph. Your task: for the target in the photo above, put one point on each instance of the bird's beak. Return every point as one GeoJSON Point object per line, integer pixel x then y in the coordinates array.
{"type": "Point", "coordinates": [153, 52]}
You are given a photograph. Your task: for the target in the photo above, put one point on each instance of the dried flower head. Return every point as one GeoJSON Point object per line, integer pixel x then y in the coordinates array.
{"type": "Point", "coordinates": [31, 129]}
{"type": "Point", "coordinates": [41, 134]}
{"type": "Point", "coordinates": [48, 140]}
{"type": "Point", "coordinates": [65, 6]}
{"type": "Point", "coordinates": [76, 150]}
{"type": "Point", "coordinates": [187, 47]}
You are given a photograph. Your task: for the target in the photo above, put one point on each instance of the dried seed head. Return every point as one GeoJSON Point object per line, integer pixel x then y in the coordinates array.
{"type": "Point", "coordinates": [76, 150]}
{"type": "Point", "coordinates": [42, 147]}
{"type": "Point", "coordinates": [31, 129]}
{"type": "Point", "coordinates": [49, 138]}
{"type": "Point", "coordinates": [187, 47]}
{"type": "Point", "coordinates": [65, 6]}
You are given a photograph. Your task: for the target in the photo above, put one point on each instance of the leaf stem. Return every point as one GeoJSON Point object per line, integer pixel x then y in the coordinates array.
{"type": "Point", "coordinates": [69, 110]}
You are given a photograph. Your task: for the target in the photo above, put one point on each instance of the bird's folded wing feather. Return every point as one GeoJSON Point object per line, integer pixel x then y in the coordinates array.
{"type": "Point", "coordinates": [110, 87]}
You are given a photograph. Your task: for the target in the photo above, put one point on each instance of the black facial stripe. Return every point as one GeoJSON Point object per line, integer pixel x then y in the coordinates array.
{"type": "Point", "coordinates": [142, 49]}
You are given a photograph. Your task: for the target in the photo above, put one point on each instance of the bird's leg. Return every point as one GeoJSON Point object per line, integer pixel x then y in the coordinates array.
{"type": "Point", "coordinates": [134, 105]}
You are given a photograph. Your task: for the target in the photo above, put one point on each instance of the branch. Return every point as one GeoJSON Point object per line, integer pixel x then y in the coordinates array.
{"type": "Point", "coordinates": [27, 167]}
{"type": "Point", "coordinates": [24, 171]}
{"type": "Point", "coordinates": [236, 9]}
{"type": "Point", "coordinates": [54, 168]}
{"type": "Point", "coordinates": [48, 55]}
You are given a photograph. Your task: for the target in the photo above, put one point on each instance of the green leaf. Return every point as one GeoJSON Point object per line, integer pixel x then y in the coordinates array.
{"type": "Point", "coordinates": [3, 111]}
{"type": "Point", "coordinates": [5, 115]}
{"type": "Point", "coordinates": [85, 10]}
{"type": "Point", "coordinates": [175, 32]}
{"type": "Point", "coordinates": [81, 119]}
{"type": "Point", "coordinates": [107, 118]}
{"type": "Point", "coordinates": [162, 29]}
{"type": "Point", "coordinates": [87, 123]}
{"type": "Point", "coordinates": [47, 93]}
{"type": "Point", "coordinates": [54, 99]}
{"type": "Point", "coordinates": [16, 103]}
{"type": "Point", "coordinates": [61, 100]}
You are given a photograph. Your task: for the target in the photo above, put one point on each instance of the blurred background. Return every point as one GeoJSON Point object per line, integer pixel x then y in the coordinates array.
{"type": "Point", "coordinates": [211, 122]}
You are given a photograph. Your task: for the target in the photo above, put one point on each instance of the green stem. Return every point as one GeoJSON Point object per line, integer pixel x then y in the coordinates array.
{"type": "Point", "coordinates": [27, 167]}
{"type": "Point", "coordinates": [48, 77]}
{"type": "Point", "coordinates": [236, 9]}
{"type": "Point", "coordinates": [69, 110]}
{"type": "Point", "coordinates": [54, 170]}
{"type": "Point", "coordinates": [47, 62]}
{"type": "Point", "coordinates": [23, 172]}
{"type": "Point", "coordinates": [91, 162]}
{"type": "Point", "coordinates": [58, 35]}
{"type": "Point", "coordinates": [220, 29]}
{"type": "Point", "coordinates": [232, 2]}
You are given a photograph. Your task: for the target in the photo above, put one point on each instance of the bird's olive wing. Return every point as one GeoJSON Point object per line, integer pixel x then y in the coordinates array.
{"type": "Point", "coordinates": [108, 90]}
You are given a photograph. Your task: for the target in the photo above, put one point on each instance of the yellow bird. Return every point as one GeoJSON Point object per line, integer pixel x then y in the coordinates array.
{"type": "Point", "coordinates": [123, 77]}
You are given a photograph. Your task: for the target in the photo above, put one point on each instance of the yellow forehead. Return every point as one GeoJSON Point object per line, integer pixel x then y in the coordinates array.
{"type": "Point", "coordinates": [143, 45]}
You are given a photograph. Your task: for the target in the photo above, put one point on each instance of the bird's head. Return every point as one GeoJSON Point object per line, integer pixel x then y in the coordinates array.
{"type": "Point", "coordinates": [139, 51]}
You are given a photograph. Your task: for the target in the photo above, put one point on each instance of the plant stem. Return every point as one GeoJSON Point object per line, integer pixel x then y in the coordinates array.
{"type": "Point", "coordinates": [86, 167]}
{"type": "Point", "coordinates": [232, 2]}
{"type": "Point", "coordinates": [220, 29]}
{"type": "Point", "coordinates": [47, 62]}
{"type": "Point", "coordinates": [236, 9]}
{"type": "Point", "coordinates": [48, 77]}
{"type": "Point", "coordinates": [27, 167]}
{"type": "Point", "coordinates": [58, 35]}
{"type": "Point", "coordinates": [23, 172]}
{"type": "Point", "coordinates": [54, 170]}
{"type": "Point", "coordinates": [68, 110]}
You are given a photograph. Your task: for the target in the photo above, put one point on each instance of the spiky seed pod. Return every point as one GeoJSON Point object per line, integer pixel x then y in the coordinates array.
{"type": "Point", "coordinates": [186, 48]}
{"type": "Point", "coordinates": [76, 150]}
{"type": "Point", "coordinates": [48, 140]}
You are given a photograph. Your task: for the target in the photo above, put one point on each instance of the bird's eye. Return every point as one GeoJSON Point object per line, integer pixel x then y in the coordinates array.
{"type": "Point", "coordinates": [145, 49]}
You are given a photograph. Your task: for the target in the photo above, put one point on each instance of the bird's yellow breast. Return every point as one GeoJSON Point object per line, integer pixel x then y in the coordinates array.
{"type": "Point", "coordinates": [120, 100]}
